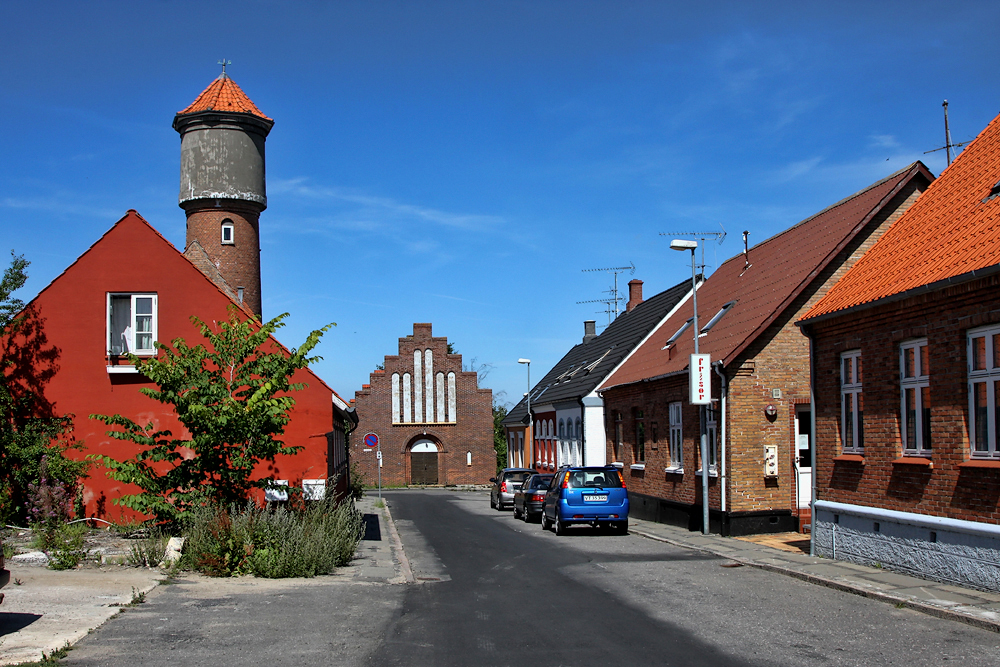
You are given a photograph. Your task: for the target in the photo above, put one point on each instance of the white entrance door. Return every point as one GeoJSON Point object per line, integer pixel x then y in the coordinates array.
{"type": "Point", "coordinates": [803, 445]}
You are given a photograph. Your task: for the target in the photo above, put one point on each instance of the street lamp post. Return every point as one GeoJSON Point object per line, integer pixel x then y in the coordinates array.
{"type": "Point", "coordinates": [528, 430]}
{"type": "Point", "coordinates": [681, 245]}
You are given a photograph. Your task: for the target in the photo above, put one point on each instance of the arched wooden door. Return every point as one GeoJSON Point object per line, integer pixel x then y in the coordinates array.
{"type": "Point", "coordinates": [424, 462]}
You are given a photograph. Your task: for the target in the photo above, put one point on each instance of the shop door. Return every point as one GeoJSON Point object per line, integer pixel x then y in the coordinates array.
{"type": "Point", "coordinates": [424, 463]}
{"type": "Point", "coordinates": [803, 448]}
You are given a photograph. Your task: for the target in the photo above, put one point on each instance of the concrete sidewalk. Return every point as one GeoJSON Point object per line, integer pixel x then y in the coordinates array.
{"type": "Point", "coordinates": [970, 606]}
{"type": "Point", "coordinates": [380, 557]}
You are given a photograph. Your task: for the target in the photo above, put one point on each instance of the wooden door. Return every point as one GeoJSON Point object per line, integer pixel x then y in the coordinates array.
{"type": "Point", "coordinates": [423, 468]}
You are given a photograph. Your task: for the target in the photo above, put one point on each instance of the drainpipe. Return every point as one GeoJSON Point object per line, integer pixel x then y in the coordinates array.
{"type": "Point", "coordinates": [722, 455]}
{"type": "Point", "coordinates": [583, 432]}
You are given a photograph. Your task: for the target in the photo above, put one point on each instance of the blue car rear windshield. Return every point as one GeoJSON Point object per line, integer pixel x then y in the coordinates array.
{"type": "Point", "coordinates": [584, 479]}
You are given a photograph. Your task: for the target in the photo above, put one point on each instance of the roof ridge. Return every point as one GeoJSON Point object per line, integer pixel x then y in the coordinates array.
{"type": "Point", "coordinates": [843, 201]}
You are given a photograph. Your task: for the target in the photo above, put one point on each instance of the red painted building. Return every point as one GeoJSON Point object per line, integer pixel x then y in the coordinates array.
{"type": "Point", "coordinates": [132, 272]}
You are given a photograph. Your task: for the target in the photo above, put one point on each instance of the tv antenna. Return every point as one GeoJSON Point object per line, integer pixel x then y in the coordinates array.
{"type": "Point", "coordinates": [615, 299]}
{"type": "Point", "coordinates": [947, 137]}
{"type": "Point", "coordinates": [702, 236]}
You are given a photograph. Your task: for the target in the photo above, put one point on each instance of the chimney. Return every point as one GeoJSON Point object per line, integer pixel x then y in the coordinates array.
{"type": "Point", "coordinates": [634, 294]}
{"type": "Point", "coordinates": [589, 330]}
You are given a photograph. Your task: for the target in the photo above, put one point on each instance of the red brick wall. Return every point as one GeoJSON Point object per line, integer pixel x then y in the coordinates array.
{"type": "Point", "coordinates": [946, 489]}
{"type": "Point", "coordinates": [239, 263]}
{"type": "Point", "coordinates": [472, 430]}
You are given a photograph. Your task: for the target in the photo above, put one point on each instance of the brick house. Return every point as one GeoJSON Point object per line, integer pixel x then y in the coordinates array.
{"type": "Point", "coordinates": [906, 368]}
{"type": "Point", "coordinates": [434, 423]}
{"type": "Point", "coordinates": [567, 413]}
{"type": "Point", "coordinates": [760, 376]}
{"type": "Point", "coordinates": [73, 347]}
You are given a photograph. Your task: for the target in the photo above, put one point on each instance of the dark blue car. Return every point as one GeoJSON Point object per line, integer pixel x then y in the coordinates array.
{"type": "Point", "coordinates": [594, 496]}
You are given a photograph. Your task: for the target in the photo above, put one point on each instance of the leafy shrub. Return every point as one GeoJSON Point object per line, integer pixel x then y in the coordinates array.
{"type": "Point", "coordinates": [357, 483]}
{"type": "Point", "coordinates": [65, 546]}
{"type": "Point", "coordinates": [274, 542]}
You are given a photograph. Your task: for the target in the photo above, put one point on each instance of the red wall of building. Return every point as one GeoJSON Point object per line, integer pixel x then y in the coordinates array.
{"type": "Point", "coordinates": [133, 257]}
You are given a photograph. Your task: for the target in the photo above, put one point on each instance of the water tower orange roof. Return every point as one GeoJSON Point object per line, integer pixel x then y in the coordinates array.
{"type": "Point", "coordinates": [224, 95]}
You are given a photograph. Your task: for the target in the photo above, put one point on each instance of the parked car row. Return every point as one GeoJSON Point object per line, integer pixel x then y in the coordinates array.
{"type": "Point", "coordinates": [595, 496]}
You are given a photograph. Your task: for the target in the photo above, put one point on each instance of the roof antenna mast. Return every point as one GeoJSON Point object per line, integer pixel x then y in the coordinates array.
{"type": "Point", "coordinates": [948, 145]}
{"type": "Point", "coordinates": [701, 236]}
{"type": "Point", "coordinates": [613, 301]}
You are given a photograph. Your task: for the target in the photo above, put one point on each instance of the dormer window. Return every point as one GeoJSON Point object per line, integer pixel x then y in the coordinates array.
{"type": "Point", "coordinates": [228, 237]}
{"type": "Point", "coordinates": [995, 190]}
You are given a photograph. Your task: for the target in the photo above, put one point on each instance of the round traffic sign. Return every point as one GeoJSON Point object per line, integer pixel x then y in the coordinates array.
{"type": "Point", "coordinates": [371, 440]}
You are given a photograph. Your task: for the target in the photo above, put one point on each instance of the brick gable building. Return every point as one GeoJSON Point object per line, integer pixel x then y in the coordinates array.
{"type": "Point", "coordinates": [906, 365]}
{"type": "Point", "coordinates": [760, 376]}
{"type": "Point", "coordinates": [434, 423]}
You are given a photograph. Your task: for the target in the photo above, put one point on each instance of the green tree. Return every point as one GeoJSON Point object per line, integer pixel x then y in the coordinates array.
{"type": "Point", "coordinates": [499, 439]}
{"type": "Point", "coordinates": [29, 431]}
{"type": "Point", "coordinates": [233, 398]}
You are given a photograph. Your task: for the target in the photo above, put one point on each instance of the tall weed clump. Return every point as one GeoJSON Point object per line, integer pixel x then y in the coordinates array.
{"type": "Point", "coordinates": [273, 542]}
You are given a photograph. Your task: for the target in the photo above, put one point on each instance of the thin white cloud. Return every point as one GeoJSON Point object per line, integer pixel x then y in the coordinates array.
{"type": "Point", "coordinates": [385, 208]}
{"type": "Point", "coordinates": [795, 170]}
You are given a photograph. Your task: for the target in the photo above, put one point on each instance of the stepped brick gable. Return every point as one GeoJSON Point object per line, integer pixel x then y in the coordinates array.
{"type": "Point", "coordinates": [433, 421]}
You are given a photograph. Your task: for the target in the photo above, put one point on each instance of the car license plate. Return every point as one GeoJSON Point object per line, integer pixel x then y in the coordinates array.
{"type": "Point", "coordinates": [596, 498]}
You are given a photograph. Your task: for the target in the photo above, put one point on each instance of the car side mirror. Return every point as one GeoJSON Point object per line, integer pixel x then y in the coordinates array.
{"type": "Point", "coordinates": [493, 479]}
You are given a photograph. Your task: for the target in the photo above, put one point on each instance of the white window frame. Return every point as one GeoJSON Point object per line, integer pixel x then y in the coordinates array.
{"type": "Point", "coordinates": [227, 224]}
{"type": "Point", "coordinates": [133, 326]}
{"type": "Point", "coordinates": [983, 437]}
{"type": "Point", "coordinates": [851, 396]}
{"type": "Point", "coordinates": [712, 432]}
{"type": "Point", "coordinates": [917, 381]}
{"type": "Point", "coordinates": [639, 446]}
{"type": "Point", "coordinates": [676, 418]}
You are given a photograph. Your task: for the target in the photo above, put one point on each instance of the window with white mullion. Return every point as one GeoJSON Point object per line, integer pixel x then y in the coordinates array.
{"type": "Point", "coordinates": [915, 398]}
{"type": "Point", "coordinates": [131, 324]}
{"type": "Point", "coordinates": [676, 436]}
{"type": "Point", "coordinates": [984, 391]}
{"type": "Point", "coordinates": [852, 434]}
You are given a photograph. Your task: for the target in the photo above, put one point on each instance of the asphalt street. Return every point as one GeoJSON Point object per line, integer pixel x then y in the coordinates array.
{"type": "Point", "coordinates": [491, 590]}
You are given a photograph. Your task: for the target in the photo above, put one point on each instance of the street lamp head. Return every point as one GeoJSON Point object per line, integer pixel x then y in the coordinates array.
{"type": "Point", "coordinates": [683, 244]}
{"type": "Point", "coordinates": [524, 361]}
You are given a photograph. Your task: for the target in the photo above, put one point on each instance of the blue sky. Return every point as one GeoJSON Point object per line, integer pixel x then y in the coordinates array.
{"type": "Point", "coordinates": [462, 162]}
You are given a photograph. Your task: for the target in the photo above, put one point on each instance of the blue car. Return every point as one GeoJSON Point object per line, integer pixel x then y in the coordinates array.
{"type": "Point", "coordinates": [594, 496]}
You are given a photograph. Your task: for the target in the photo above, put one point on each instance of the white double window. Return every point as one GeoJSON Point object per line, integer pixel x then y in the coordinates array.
{"type": "Point", "coordinates": [131, 324]}
{"type": "Point", "coordinates": [984, 391]}
{"type": "Point", "coordinates": [915, 398]}
{"type": "Point", "coordinates": [852, 407]}
{"type": "Point", "coordinates": [712, 433]}
{"type": "Point", "coordinates": [676, 437]}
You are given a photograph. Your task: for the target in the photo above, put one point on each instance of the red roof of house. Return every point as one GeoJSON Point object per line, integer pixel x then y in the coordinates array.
{"type": "Point", "coordinates": [224, 95]}
{"type": "Point", "coordinates": [780, 269]}
{"type": "Point", "coordinates": [952, 229]}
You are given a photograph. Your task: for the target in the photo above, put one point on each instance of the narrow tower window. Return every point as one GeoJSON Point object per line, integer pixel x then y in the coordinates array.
{"type": "Point", "coordinates": [227, 232]}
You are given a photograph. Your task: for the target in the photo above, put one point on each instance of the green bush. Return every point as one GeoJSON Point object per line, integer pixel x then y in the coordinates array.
{"type": "Point", "coordinates": [64, 546]}
{"type": "Point", "coordinates": [273, 542]}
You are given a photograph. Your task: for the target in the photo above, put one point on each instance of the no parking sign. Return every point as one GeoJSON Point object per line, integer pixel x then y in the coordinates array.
{"type": "Point", "coordinates": [371, 441]}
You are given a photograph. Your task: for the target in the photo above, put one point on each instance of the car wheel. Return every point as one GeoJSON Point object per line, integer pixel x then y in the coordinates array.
{"type": "Point", "coordinates": [493, 503]}
{"type": "Point", "coordinates": [546, 524]}
{"type": "Point", "coordinates": [525, 515]}
{"type": "Point", "coordinates": [623, 527]}
{"type": "Point", "coordinates": [516, 515]}
{"type": "Point", "coordinates": [560, 527]}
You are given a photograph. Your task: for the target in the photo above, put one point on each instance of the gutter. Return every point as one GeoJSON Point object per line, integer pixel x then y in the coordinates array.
{"type": "Point", "coordinates": [983, 272]}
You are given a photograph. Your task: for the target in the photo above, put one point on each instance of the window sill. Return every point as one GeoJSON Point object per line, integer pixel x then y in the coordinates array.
{"type": "Point", "coordinates": [913, 461]}
{"type": "Point", "coordinates": [122, 369]}
{"type": "Point", "coordinates": [674, 470]}
{"type": "Point", "coordinates": [980, 463]}
{"type": "Point", "coordinates": [711, 472]}
{"type": "Point", "coordinates": [637, 466]}
{"type": "Point", "coordinates": [618, 464]}
{"type": "Point", "coordinates": [850, 458]}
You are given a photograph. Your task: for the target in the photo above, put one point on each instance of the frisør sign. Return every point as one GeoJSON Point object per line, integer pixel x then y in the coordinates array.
{"type": "Point", "coordinates": [701, 379]}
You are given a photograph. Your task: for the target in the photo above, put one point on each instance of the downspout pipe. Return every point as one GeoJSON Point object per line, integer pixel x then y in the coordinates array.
{"type": "Point", "coordinates": [722, 455]}
{"type": "Point", "coordinates": [583, 431]}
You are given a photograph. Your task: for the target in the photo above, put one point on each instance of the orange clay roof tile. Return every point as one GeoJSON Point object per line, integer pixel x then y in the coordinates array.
{"type": "Point", "coordinates": [224, 95]}
{"type": "Point", "coordinates": [951, 230]}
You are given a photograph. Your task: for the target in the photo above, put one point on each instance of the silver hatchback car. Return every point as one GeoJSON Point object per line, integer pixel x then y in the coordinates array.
{"type": "Point", "coordinates": [504, 486]}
